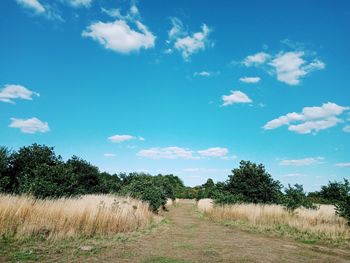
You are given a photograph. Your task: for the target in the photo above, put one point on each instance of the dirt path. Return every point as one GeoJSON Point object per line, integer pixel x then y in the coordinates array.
{"type": "Point", "coordinates": [189, 238]}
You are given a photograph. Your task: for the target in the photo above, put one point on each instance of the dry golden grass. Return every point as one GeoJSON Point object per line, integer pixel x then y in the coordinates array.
{"type": "Point", "coordinates": [321, 222]}
{"type": "Point", "coordinates": [86, 216]}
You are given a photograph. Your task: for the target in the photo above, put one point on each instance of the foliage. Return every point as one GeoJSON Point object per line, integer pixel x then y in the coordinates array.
{"type": "Point", "coordinates": [5, 180]}
{"type": "Point", "coordinates": [51, 182]}
{"type": "Point", "coordinates": [25, 162]}
{"type": "Point", "coordinates": [342, 208]}
{"type": "Point", "coordinates": [87, 175]}
{"type": "Point", "coordinates": [147, 188]}
{"type": "Point", "coordinates": [228, 198]}
{"type": "Point", "coordinates": [295, 197]}
{"type": "Point", "coordinates": [254, 183]}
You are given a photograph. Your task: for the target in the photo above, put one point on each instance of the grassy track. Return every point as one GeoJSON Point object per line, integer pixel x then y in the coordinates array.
{"type": "Point", "coordinates": [186, 237]}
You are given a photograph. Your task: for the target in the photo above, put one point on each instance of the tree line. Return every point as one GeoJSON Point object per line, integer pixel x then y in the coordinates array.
{"type": "Point", "coordinates": [37, 170]}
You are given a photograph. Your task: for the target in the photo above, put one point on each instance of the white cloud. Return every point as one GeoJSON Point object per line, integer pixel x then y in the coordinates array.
{"type": "Point", "coordinates": [108, 155]}
{"type": "Point", "coordinates": [256, 59]}
{"type": "Point", "coordinates": [79, 3]}
{"type": "Point", "coordinates": [202, 73]}
{"type": "Point", "coordinates": [346, 128]}
{"type": "Point", "coordinates": [214, 152]}
{"type": "Point", "coordinates": [289, 67]}
{"type": "Point", "coordinates": [11, 92]}
{"type": "Point", "coordinates": [188, 44]}
{"type": "Point", "coordinates": [31, 125]}
{"type": "Point", "coordinates": [48, 11]}
{"type": "Point", "coordinates": [122, 138]}
{"type": "Point", "coordinates": [206, 73]}
{"type": "Point", "coordinates": [33, 5]}
{"type": "Point", "coordinates": [302, 162]}
{"type": "Point", "coordinates": [310, 126]}
{"type": "Point", "coordinates": [311, 119]}
{"type": "Point", "coordinates": [342, 164]}
{"type": "Point", "coordinates": [235, 97]}
{"type": "Point", "coordinates": [250, 79]}
{"type": "Point", "coordinates": [167, 153]}
{"type": "Point", "coordinates": [112, 12]}
{"type": "Point", "coordinates": [119, 36]}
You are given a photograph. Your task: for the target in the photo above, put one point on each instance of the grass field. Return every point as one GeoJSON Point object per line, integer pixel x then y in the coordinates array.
{"type": "Point", "coordinates": [90, 215]}
{"type": "Point", "coordinates": [321, 224]}
{"type": "Point", "coordinates": [183, 236]}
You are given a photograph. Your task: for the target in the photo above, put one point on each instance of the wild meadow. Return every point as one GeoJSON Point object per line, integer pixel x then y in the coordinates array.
{"type": "Point", "coordinates": [89, 215]}
{"type": "Point", "coordinates": [319, 224]}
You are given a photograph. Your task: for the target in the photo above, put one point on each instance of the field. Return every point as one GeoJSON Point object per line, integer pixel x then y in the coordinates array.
{"type": "Point", "coordinates": [309, 225]}
{"type": "Point", "coordinates": [184, 235]}
{"type": "Point", "coordinates": [90, 215]}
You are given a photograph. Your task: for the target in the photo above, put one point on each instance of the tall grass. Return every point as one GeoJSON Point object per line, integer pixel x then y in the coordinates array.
{"type": "Point", "coordinates": [22, 216]}
{"type": "Point", "coordinates": [321, 223]}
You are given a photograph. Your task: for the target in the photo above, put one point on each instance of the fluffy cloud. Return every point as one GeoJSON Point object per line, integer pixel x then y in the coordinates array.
{"type": "Point", "coordinates": [235, 97]}
{"type": "Point", "coordinates": [289, 67]}
{"type": "Point", "coordinates": [185, 43]}
{"type": "Point", "coordinates": [256, 59]}
{"type": "Point", "coordinates": [122, 138]}
{"type": "Point", "coordinates": [47, 10]}
{"type": "Point", "coordinates": [31, 125]}
{"type": "Point", "coordinates": [202, 74]}
{"type": "Point", "coordinates": [33, 5]}
{"type": "Point", "coordinates": [119, 36]}
{"type": "Point", "coordinates": [167, 153]}
{"type": "Point", "coordinates": [214, 152]}
{"type": "Point", "coordinates": [206, 74]}
{"type": "Point", "coordinates": [11, 92]}
{"type": "Point", "coordinates": [311, 119]}
{"type": "Point", "coordinates": [250, 79]}
{"type": "Point", "coordinates": [302, 162]}
{"type": "Point", "coordinates": [185, 153]}
{"type": "Point", "coordinates": [79, 3]}
{"type": "Point", "coordinates": [346, 128]}
{"type": "Point", "coordinates": [342, 164]}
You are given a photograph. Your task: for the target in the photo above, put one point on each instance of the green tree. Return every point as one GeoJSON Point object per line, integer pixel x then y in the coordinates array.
{"type": "Point", "coordinates": [335, 192]}
{"type": "Point", "coordinates": [87, 175]}
{"type": "Point", "coordinates": [253, 183]}
{"type": "Point", "coordinates": [24, 162]}
{"type": "Point", "coordinates": [295, 197]}
{"type": "Point", "coordinates": [52, 182]}
{"type": "Point", "coordinates": [5, 178]}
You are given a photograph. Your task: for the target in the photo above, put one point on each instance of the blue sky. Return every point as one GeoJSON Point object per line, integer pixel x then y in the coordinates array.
{"type": "Point", "coordinates": [180, 86]}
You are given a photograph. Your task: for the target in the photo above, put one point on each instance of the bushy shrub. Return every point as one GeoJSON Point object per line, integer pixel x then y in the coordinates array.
{"type": "Point", "coordinates": [342, 208]}
{"type": "Point", "coordinates": [295, 197]}
{"type": "Point", "coordinates": [143, 187]}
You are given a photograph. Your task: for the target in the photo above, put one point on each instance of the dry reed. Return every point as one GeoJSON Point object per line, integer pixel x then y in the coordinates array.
{"type": "Point", "coordinates": [322, 222]}
{"type": "Point", "coordinates": [85, 216]}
